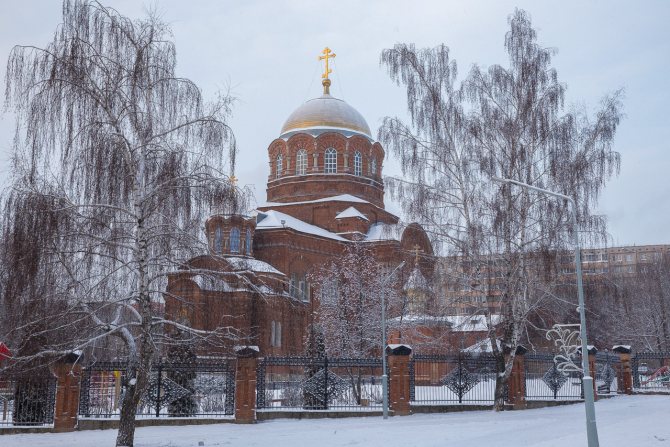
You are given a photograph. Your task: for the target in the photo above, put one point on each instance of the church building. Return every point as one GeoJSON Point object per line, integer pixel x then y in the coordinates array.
{"type": "Point", "coordinates": [325, 190]}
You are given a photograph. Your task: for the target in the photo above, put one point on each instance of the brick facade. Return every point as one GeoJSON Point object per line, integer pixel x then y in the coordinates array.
{"type": "Point", "coordinates": [260, 291]}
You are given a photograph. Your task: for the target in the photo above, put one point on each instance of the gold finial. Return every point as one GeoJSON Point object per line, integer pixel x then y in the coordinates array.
{"type": "Point", "coordinates": [233, 180]}
{"type": "Point", "coordinates": [327, 54]}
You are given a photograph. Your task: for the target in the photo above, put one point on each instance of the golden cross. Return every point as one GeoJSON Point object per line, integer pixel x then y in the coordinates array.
{"type": "Point", "coordinates": [326, 55]}
{"type": "Point", "coordinates": [233, 180]}
{"type": "Point", "coordinates": [416, 254]}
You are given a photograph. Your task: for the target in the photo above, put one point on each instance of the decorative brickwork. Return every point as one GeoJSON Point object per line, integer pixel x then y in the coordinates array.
{"type": "Point", "coordinates": [67, 375]}
{"type": "Point", "coordinates": [517, 380]}
{"type": "Point", "coordinates": [399, 379]}
{"type": "Point", "coordinates": [625, 372]}
{"type": "Point", "coordinates": [245, 384]}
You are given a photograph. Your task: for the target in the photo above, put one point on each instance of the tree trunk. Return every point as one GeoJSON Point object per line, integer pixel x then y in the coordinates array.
{"type": "Point", "coordinates": [131, 399]}
{"type": "Point", "coordinates": [501, 382]}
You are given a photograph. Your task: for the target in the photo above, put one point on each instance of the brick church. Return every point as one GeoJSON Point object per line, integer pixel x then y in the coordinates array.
{"type": "Point", "coordinates": [325, 190]}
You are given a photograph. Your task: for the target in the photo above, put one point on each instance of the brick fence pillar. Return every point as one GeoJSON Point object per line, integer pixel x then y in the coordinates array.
{"type": "Point", "coordinates": [398, 365]}
{"type": "Point", "coordinates": [625, 370]}
{"type": "Point", "coordinates": [68, 374]}
{"type": "Point", "coordinates": [517, 380]}
{"type": "Point", "coordinates": [245, 384]}
{"type": "Point", "coordinates": [592, 368]}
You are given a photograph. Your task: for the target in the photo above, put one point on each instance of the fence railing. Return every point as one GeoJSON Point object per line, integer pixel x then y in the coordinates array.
{"type": "Point", "coordinates": [27, 401]}
{"type": "Point", "coordinates": [651, 372]}
{"type": "Point", "coordinates": [544, 380]}
{"type": "Point", "coordinates": [460, 379]}
{"type": "Point", "coordinates": [199, 389]}
{"type": "Point", "coordinates": [304, 383]}
{"type": "Point", "coordinates": [608, 371]}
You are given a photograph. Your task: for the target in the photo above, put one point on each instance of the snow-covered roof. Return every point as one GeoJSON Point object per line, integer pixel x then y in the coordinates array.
{"type": "Point", "coordinates": [274, 219]}
{"type": "Point", "coordinates": [339, 198]}
{"type": "Point", "coordinates": [483, 345]}
{"type": "Point", "coordinates": [384, 232]}
{"type": "Point", "coordinates": [255, 265]}
{"type": "Point", "coordinates": [351, 212]}
{"type": "Point", "coordinates": [471, 323]}
{"type": "Point", "coordinates": [458, 323]}
{"type": "Point", "coordinates": [207, 282]}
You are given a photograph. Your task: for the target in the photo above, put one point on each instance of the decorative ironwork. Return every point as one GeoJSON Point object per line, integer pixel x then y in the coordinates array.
{"type": "Point", "coordinates": [460, 381]}
{"type": "Point", "coordinates": [605, 373]}
{"type": "Point", "coordinates": [174, 389]}
{"type": "Point", "coordinates": [162, 391]}
{"type": "Point", "coordinates": [412, 382]}
{"type": "Point", "coordinates": [319, 383]}
{"type": "Point", "coordinates": [324, 388]}
{"type": "Point", "coordinates": [27, 401]}
{"type": "Point", "coordinates": [554, 378]}
{"type": "Point", "coordinates": [466, 378]}
{"type": "Point", "coordinates": [567, 339]}
{"type": "Point", "coordinates": [651, 371]}
{"type": "Point", "coordinates": [539, 365]}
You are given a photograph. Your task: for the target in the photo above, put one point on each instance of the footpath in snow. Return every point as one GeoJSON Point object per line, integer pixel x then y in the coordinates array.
{"type": "Point", "coordinates": [624, 421]}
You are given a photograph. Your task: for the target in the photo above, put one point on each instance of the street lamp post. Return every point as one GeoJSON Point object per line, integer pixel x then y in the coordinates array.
{"type": "Point", "coordinates": [385, 389]}
{"type": "Point", "coordinates": [591, 427]}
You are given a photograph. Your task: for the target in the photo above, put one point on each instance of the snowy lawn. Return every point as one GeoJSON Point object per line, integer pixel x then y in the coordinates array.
{"type": "Point", "coordinates": [626, 421]}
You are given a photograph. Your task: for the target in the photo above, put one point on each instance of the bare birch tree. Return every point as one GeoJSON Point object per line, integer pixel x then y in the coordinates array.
{"type": "Point", "coordinates": [506, 122]}
{"type": "Point", "coordinates": [117, 161]}
{"type": "Point", "coordinates": [349, 290]}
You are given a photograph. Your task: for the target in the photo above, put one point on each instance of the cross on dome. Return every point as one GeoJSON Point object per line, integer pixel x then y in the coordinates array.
{"type": "Point", "coordinates": [327, 54]}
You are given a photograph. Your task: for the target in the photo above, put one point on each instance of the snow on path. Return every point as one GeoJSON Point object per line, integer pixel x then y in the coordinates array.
{"type": "Point", "coordinates": [629, 421]}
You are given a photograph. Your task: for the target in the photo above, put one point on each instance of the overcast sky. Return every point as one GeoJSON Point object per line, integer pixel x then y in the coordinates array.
{"type": "Point", "coordinates": [266, 54]}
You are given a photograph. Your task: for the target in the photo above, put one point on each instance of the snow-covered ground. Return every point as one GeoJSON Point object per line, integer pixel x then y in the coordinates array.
{"type": "Point", "coordinates": [629, 421]}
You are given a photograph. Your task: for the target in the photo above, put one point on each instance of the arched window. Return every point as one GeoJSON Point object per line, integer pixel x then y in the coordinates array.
{"type": "Point", "coordinates": [235, 240]}
{"type": "Point", "coordinates": [358, 163]}
{"type": "Point", "coordinates": [279, 167]}
{"type": "Point", "coordinates": [373, 166]}
{"type": "Point", "coordinates": [301, 162]}
{"type": "Point", "coordinates": [330, 161]}
{"type": "Point", "coordinates": [218, 241]}
{"type": "Point", "coordinates": [248, 242]}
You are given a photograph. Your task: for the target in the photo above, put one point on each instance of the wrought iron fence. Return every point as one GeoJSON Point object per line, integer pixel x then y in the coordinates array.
{"type": "Point", "coordinates": [446, 379]}
{"type": "Point", "coordinates": [304, 383]}
{"type": "Point", "coordinates": [608, 370]}
{"type": "Point", "coordinates": [651, 372]}
{"type": "Point", "coordinates": [27, 401]}
{"type": "Point", "coordinates": [545, 381]}
{"type": "Point", "coordinates": [199, 389]}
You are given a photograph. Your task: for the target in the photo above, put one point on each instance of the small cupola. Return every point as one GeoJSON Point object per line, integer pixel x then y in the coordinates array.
{"type": "Point", "coordinates": [230, 234]}
{"type": "Point", "coordinates": [351, 222]}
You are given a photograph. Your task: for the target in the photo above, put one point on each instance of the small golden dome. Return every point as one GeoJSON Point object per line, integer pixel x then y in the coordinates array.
{"type": "Point", "coordinates": [326, 113]}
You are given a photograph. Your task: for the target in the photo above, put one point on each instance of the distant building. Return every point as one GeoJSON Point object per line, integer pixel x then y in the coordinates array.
{"type": "Point", "coordinates": [463, 295]}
